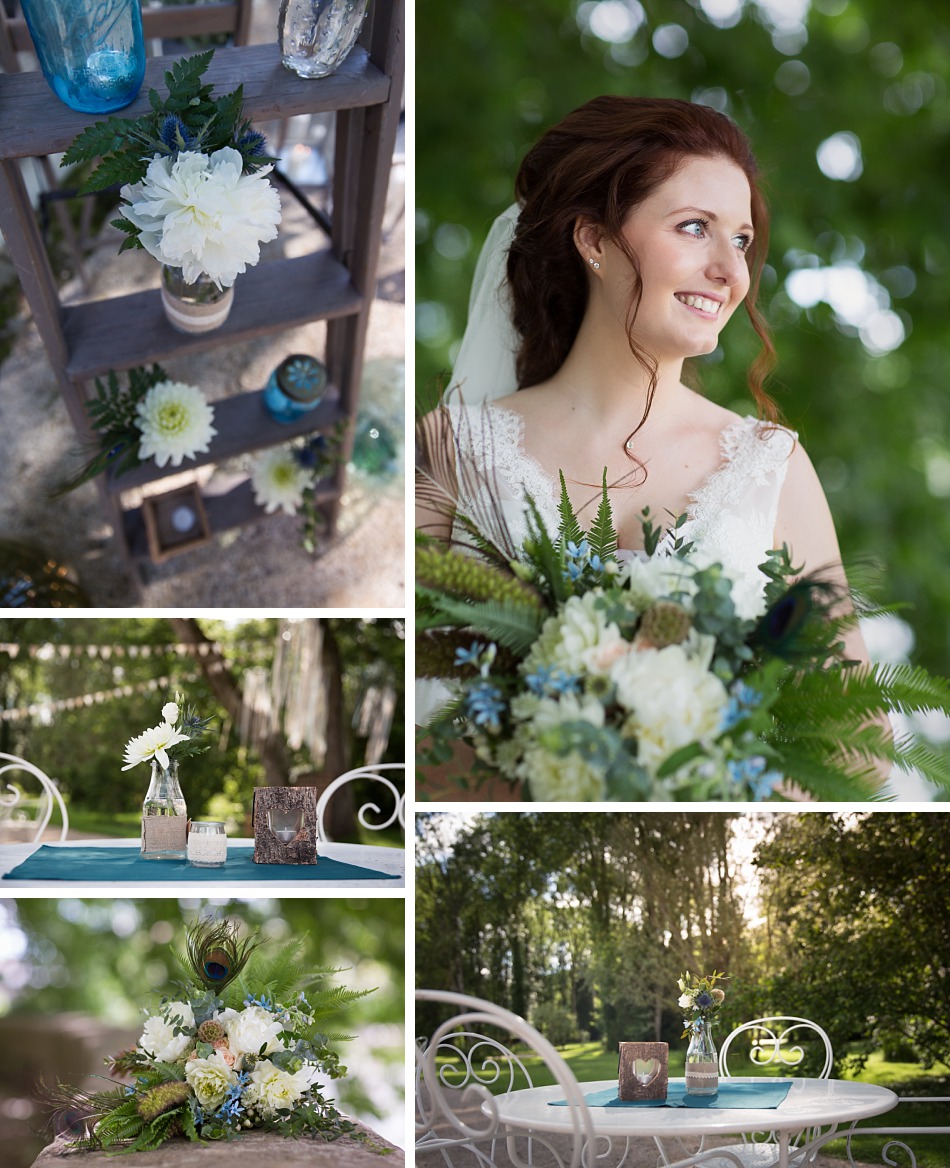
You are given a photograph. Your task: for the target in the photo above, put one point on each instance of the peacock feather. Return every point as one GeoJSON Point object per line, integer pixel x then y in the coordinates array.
{"type": "Point", "coordinates": [215, 954]}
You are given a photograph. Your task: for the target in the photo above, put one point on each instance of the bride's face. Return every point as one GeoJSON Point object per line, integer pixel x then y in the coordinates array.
{"type": "Point", "coordinates": [690, 237]}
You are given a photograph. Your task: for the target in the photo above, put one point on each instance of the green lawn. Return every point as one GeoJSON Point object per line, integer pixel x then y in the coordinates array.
{"type": "Point", "coordinates": [590, 1062]}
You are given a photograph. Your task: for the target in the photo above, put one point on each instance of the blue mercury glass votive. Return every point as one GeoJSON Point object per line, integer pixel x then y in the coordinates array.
{"type": "Point", "coordinates": [92, 52]}
{"type": "Point", "coordinates": [295, 386]}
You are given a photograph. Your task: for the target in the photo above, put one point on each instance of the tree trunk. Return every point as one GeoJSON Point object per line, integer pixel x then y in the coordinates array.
{"type": "Point", "coordinates": [273, 749]}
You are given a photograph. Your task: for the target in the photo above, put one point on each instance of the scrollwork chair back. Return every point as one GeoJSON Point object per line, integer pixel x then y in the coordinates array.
{"type": "Point", "coordinates": [380, 819]}
{"type": "Point", "coordinates": [12, 798]}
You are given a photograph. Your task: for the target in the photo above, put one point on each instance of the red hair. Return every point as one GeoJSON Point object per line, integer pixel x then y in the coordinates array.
{"type": "Point", "coordinates": [600, 162]}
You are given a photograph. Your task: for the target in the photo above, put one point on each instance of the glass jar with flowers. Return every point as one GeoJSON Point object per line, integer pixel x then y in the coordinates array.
{"type": "Point", "coordinates": [702, 998]}
{"type": "Point", "coordinates": [194, 190]}
{"type": "Point", "coordinates": [164, 813]}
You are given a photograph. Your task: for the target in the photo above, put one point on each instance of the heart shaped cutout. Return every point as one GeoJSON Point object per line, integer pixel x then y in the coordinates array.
{"type": "Point", "coordinates": [646, 1070]}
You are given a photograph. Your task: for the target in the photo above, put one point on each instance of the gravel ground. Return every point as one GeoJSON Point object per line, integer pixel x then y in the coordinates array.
{"type": "Point", "coordinates": [262, 564]}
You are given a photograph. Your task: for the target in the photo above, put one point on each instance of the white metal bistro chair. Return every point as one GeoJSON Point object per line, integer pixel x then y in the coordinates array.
{"type": "Point", "coordinates": [891, 1145]}
{"type": "Point", "coordinates": [777, 1043]}
{"type": "Point", "coordinates": [362, 773]}
{"type": "Point", "coordinates": [16, 806]}
{"type": "Point", "coordinates": [460, 1072]}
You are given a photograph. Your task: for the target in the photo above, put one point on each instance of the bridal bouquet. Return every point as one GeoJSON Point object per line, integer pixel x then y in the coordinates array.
{"type": "Point", "coordinates": [590, 678]}
{"type": "Point", "coordinates": [224, 1055]}
{"type": "Point", "coordinates": [151, 417]}
{"type": "Point", "coordinates": [193, 177]}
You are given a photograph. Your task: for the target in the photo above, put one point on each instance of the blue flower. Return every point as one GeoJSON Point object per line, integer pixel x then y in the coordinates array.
{"type": "Point", "coordinates": [742, 699]}
{"type": "Point", "coordinates": [469, 656]}
{"type": "Point", "coordinates": [251, 144]}
{"type": "Point", "coordinates": [564, 683]}
{"type": "Point", "coordinates": [484, 705]}
{"type": "Point", "coordinates": [546, 681]}
{"type": "Point", "coordinates": [175, 134]}
{"type": "Point", "coordinates": [264, 1003]}
{"type": "Point", "coordinates": [752, 773]}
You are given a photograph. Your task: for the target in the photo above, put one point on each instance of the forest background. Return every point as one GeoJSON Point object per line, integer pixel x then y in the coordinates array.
{"type": "Point", "coordinates": [847, 106]}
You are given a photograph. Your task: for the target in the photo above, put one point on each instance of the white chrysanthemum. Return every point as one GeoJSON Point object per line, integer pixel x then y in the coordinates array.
{"type": "Point", "coordinates": [210, 1079]}
{"type": "Point", "coordinates": [153, 743]}
{"type": "Point", "coordinates": [279, 480]}
{"type": "Point", "coordinates": [170, 713]}
{"type": "Point", "coordinates": [251, 1029]}
{"type": "Point", "coordinates": [200, 213]}
{"type": "Point", "coordinates": [175, 421]}
{"type": "Point", "coordinates": [159, 1038]}
{"type": "Point", "coordinates": [270, 1087]}
{"type": "Point", "coordinates": [672, 697]}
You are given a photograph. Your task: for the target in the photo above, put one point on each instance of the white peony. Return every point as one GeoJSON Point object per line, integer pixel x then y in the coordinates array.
{"type": "Point", "coordinates": [270, 1088]}
{"type": "Point", "coordinates": [170, 713]}
{"type": "Point", "coordinates": [279, 480]}
{"type": "Point", "coordinates": [200, 213]}
{"type": "Point", "coordinates": [672, 697]}
{"type": "Point", "coordinates": [175, 421]}
{"type": "Point", "coordinates": [580, 634]}
{"type": "Point", "coordinates": [251, 1029]}
{"type": "Point", "coordinates": [153, 743]}
{"type": "Point", "coordinates": [210, 1079]}
{"type": "Point", "coordinates": [158, 1038]}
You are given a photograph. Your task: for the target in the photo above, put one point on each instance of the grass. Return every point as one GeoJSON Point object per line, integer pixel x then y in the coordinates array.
{"type": "Point", "coordinates": [590, 1062]}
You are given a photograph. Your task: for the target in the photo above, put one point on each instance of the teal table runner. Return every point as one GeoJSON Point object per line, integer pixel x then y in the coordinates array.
{"type": "Point", "coordinates": [92, 863]}
{"type": "Point", "coordinates": [732, 1095]}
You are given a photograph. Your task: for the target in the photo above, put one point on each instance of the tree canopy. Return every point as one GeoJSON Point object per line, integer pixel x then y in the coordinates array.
{"type": "Point", "coordinates": [847, 107]}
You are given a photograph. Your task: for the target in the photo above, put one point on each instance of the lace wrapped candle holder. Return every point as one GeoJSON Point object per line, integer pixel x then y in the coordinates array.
{"type": "Point", "coordinates": [644, 1071]}
{"type": "Point", "coordinates": [207, 844]}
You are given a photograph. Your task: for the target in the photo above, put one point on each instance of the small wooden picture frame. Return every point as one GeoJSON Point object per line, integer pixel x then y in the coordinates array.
{"type": "Point", "coordinates": [644, 1071]}
{"type": "Point", "coordinates": [285, 825]}
{"type": "Point", "coordinates": [175, 521]}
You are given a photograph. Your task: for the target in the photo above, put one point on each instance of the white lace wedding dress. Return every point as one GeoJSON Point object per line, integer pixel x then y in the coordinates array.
{"type": "Point", "coordinates": [730, 520]}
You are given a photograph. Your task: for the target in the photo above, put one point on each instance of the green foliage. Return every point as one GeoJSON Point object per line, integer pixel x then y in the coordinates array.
{"type": "Point", "coordinates": [113, 413]}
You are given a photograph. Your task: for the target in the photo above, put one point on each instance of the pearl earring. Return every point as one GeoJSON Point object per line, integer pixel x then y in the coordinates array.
{"type": "Point", "coordinates": [593, 263]}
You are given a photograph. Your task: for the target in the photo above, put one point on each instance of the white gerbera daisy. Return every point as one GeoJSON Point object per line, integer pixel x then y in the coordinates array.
{"type": "Point", "coordinates": [279, 480]}
{"type": "Point", "coordinates": [175, 421]}
{"type": "Point", "coordinates": [153, 743]}
{"type": "Point", "coordinates": [201, 213]}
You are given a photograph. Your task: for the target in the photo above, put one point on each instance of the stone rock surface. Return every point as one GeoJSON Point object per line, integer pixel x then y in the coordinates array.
{"type": "Point", "coordinates": [252, 1150]}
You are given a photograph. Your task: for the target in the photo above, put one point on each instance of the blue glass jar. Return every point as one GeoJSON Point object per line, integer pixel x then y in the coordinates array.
{"type": "Point", "coordinates": [92, 52]}
{"type": "Point", "coordinates": [295, 386]}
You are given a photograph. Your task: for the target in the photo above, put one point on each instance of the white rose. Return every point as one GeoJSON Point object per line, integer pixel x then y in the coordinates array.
{"type": "Point", "coordinates": [685, 1001]}
{"type": "Point", "coordinates": [210, 1079]}
{"type": "Point", "coordinates": [158, 1038]}
{"type": "Point", "coordinates": [270, 1087]}
{"type": "Point", "coordinates": [251, 1029]}
{"type": "Point", "coordinates": [672, 698]}
{"type": "Point", "coordinates": [170, 713]}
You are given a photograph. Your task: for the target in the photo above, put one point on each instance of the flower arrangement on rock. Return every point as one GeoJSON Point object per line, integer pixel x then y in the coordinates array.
{"type": "Point", "coordinates": [228, 1053]}
{"type": "Point", "coordinates": [194, 189]}
{"type": "Point", "coordinates": [152, 416]}
{"type": "Point", "coordinates": [590, 677]}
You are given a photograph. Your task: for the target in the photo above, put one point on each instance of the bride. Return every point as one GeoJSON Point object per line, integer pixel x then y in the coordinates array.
{"type": "Point", "coordinates": [639, 231]}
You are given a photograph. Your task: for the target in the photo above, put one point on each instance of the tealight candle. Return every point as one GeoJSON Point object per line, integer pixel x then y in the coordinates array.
{"type": "Point", "coordinates": [207, 844]}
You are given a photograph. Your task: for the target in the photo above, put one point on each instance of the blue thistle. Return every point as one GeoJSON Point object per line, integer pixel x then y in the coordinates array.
{"type": "Point", "coordinates": [175, 135]}
{"type": "Point", "coordinates": [251, 144]}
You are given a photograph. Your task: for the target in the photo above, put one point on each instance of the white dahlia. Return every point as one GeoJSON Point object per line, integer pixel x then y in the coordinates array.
{"type": "Point", "coordinates": [175, 421]}
{"type": "Point", "coordinates": [201, 213]}
{"type": "Point", "coordinates": [279, 480]}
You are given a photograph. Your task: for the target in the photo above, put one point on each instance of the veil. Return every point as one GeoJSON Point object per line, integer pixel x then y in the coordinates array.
{"type": "Point", "coordinates": [485, 366]}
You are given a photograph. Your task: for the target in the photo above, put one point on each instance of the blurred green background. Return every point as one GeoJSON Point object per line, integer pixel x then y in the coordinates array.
{"type": "Point", "coordinates": [846, 103]}
{"type": "Point", "coordinates": [45, 663]}
{"type": "Point", "coordinates": [76, 973]}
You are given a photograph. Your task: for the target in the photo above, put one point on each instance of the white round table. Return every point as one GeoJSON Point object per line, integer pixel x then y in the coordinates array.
{"type": "Point", "coordinates": [810, 1104]}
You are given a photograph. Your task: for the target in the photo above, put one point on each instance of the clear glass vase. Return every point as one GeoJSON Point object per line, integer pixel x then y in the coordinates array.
{"type": "Point", "coordinates": [92, 52]}
{"type": "Point", "coordinates": [702, 1060]}
{"type": "Point", "coordinates": [316, 35]}
{"type": "Point", "coordinates": [164, 815]}
{"type": "Point", "coordinates": [194, 308]}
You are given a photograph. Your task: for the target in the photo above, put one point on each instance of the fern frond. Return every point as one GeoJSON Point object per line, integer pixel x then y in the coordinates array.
{"type": "Point", "coordinates": [570, 530]}
{"type": "Point", "coordinates": [515, 626]}
{"type": "Point", "coordinates": [602, 536]}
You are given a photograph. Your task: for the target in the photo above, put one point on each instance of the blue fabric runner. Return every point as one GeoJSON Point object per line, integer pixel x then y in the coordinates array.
{"type": "Point", "coordinates": [748, 1095]}
{"type": "Point", "coordinates": [91, 863]}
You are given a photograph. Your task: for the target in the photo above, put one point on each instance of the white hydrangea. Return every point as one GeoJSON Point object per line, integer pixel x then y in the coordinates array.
{"type": "Point", "coordinates": [270, 1088]}
{"type": "Point", "coordinates": [201, 213]}
{"type": "Point", "coordinates": [210, 1079]}
{"type": "Point", "coordinates": [251, 1029]}
{"type": "Point", "coordinates": [672, 697]}
{"type": "Point", "coordinates": [279, 480]}
{"type": "Point", "coordinates": [159, 1038]}
{"type": "Point", "coordinates": [175, 421]}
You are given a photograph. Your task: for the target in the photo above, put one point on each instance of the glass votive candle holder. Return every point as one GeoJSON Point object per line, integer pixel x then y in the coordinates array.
{"type": "Point", "coordinates": [295, 386]}
{"type": "Point", "coordinates": [285, 822]}
{"type": "Point", "coordinates": [207, 844]}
